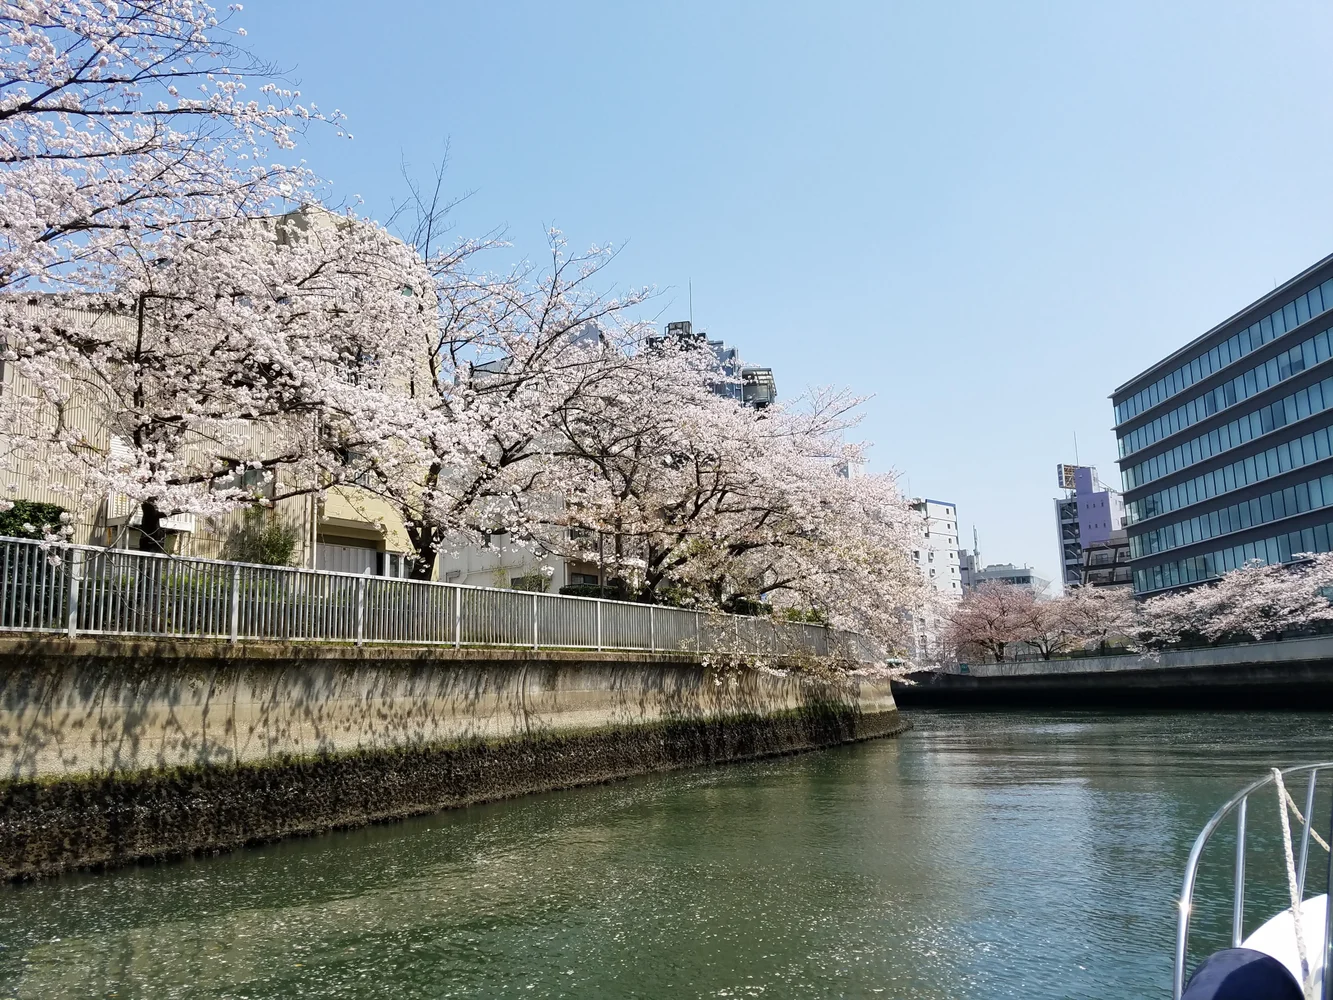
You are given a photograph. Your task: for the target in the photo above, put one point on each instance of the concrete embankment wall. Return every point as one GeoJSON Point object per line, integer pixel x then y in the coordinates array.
{"type": "Point", "coordinates": [112, 751]}
{"type": "Point", "coordinates": [1292, 674]}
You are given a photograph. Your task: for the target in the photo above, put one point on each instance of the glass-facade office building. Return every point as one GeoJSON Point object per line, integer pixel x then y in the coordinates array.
{"type": "Point", "coordinates": [1225, 445]}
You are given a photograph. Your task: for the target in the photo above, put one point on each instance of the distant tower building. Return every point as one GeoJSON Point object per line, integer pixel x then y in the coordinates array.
{"type": "Point", "coordinates": [1088, 514]}
{"type": "Point", "coordinates": [969, 564]}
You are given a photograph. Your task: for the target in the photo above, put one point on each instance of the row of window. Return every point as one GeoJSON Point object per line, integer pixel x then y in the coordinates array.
{"type": "Point", "coordinates": [1288, 455]}
{"type": "Point", "coordinates": [1297, 499]}
{"type": "Point", "coordinates": [1304, 355]}
{"type": "Point", "coordinates": [1300, 404]}
{"type": "Point", "coordinates": [1278, 549]}
{"type": "Point", "coordinates": [1274, 325]}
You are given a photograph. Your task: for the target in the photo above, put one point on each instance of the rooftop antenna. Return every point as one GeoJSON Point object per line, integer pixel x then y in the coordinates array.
{"type": "Point", "coordinates": [691, 281]}
{"type": "Point", "coordinates": [1076, 447]}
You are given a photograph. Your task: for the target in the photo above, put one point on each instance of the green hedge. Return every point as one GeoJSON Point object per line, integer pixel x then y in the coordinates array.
{"type": "Point", "coordinates": [29, 512]}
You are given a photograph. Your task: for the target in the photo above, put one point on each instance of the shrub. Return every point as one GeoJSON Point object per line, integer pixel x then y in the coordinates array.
{"type": "Point", "coordinates": [30, 519]}
{"type": "Point", "coordinates": [613, 591]}
{"type": "Point", "coordinates": [263, 537]}
{"type": "Point", "coordinates": [538, 582]}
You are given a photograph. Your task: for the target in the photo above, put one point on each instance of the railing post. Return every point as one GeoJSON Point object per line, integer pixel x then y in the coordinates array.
{"type": "Point", "coordinates": [652, 631]}
{"type": "Point", "coordinates": [75, 570]}
{"type": "Point", "coordinates": [360, 610]}
{"type": "Point", "coordinates": [1305, 835]}
{"type": "Point", "coordinates": [1238, 901]}
{"type": "Point", "coordinates": [599, 626]}
{"type": "Point", "coordinates": [1328, 913]}
{"type": "Point", "coordinates": [235, 602]}
{"type": "Point", "coordinates": [458, 617]}
{"type": "Point", "coordinates": [535, 643]}
{"type": "Point", "coordinates": [698, 635]}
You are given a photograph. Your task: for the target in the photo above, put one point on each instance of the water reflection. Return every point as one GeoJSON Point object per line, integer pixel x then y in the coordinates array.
{"type": "Point", "coordinates": [1004, 855]}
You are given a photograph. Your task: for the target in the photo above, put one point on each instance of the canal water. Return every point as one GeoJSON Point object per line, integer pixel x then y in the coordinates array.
{"type": "Point", "coordinates": [1032, 855]}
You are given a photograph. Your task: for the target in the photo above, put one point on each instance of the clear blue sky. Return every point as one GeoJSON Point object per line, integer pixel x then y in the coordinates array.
{"type": "Point", "coordinates": [986, 215]}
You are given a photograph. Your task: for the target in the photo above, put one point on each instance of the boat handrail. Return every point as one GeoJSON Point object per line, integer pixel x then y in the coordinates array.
{"type": "Point", "coordinates": [1239, 803]}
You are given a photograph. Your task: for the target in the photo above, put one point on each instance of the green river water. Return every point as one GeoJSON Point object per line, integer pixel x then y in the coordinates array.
{"type": "Point", "coordinates": [1032, 855]}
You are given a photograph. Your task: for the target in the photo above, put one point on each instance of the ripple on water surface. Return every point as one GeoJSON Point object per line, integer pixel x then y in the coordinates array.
{"type": "Point", "coordinates": [1031, 855]}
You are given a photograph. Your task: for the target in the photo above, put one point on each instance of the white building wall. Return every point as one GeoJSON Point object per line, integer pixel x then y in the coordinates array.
{"type": "Point", "coordinates": [936, 558]}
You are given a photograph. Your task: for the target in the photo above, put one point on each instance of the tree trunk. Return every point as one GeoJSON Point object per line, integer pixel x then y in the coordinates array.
{"type": "Point", "coordinates": [423, 566]}
{"type": "Point", "coordinates": [426, 551]}
{"type": "Point", "coordinates": [152, 535]}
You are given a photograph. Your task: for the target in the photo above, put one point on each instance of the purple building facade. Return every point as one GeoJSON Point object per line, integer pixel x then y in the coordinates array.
{"type": "Point", "coordinates": [1090, 513]}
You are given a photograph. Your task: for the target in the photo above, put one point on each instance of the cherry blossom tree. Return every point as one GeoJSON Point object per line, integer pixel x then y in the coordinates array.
{"type": "Point", "coordinates": [1256, 601]}
{"type": "Point", "coordinates": [1095, 615]}
{"type": "Point", "coordinates": [1046, 626]}
{"type": "Point", "coordinates": [232, 347]}
{"type": "Point", "coordinates": [507, 356]}
{"type": "Point", "coordinates": [714, 505]}
{"type": "Point", "coordinates": [121, 120]}
{"type": "Point", "coordinates": [990, 619]}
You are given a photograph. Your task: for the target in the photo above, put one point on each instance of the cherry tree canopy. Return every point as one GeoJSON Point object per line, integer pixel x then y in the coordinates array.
{"type": "Point", "coordinates": [1252, 602]}
{"type": "Point", "coordinates": [120, 120]}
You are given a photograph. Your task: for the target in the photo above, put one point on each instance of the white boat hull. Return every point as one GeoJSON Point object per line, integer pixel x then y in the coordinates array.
{"type": "Point", "coordinates": [1277, 937]}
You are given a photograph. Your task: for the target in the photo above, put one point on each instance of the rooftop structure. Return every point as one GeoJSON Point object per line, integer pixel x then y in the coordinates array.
{"type": "Point", "coordinates": [1106, 563]}
{"type": "Point", "coordinates": [749, 385]}
{"type": "Point", "coordinates": [1014, 576]}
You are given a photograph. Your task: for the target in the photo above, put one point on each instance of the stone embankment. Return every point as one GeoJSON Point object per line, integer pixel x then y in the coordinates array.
{"type": "Point", "coordinates": [1290, 674]}
{"type": "Point", "coordinates": [113, 751]}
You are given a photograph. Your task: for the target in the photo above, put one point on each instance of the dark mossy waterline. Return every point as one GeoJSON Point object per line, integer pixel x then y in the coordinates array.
{"type": "Point", "coordinates": [51, 826]}
{"type": "Point", "coordinates": [1031, 855]}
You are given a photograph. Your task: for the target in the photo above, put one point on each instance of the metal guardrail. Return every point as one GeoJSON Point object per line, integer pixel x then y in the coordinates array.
{"type": "Point", "coordinates": [83, 590]}
{"type": "Point", "coordinates": [1239, 804]}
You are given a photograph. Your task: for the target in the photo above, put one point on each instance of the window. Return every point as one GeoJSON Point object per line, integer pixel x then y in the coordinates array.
{"type": "Point", "coordinates": [240, 476]}
{"type": "Point", "coordinates": [583, 579]}
{"type": "Point", "coordinates": [1297, 311]}
{"type": "Point", "coordinates": [1311, 399]}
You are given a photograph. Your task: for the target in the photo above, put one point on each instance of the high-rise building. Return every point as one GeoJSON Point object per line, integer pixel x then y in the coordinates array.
{"type": "Point", "coordinates": [1087, 514]}
{"type": "Point", "coordinates": [749, 385]}
{"type": "Point", "coordinates": [937, 553]}
{"type": "Point", "coordinates": [1225, 444]}
{"type": "Point", "coordinates": [936, 558]}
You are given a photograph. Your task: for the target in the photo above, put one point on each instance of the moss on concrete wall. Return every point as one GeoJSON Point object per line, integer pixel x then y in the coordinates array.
{"type": "Point", "coordinates": [52, 825]}
{"type": "Point", "coordinates": [118, 751]}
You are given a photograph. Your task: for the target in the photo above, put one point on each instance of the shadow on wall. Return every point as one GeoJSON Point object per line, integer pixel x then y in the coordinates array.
{"type": "Point", "coordinates": [100, 707]}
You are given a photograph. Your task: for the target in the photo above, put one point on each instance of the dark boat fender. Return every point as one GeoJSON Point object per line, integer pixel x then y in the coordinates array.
{"type": "Point", "coordinates": [1242, 974]}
